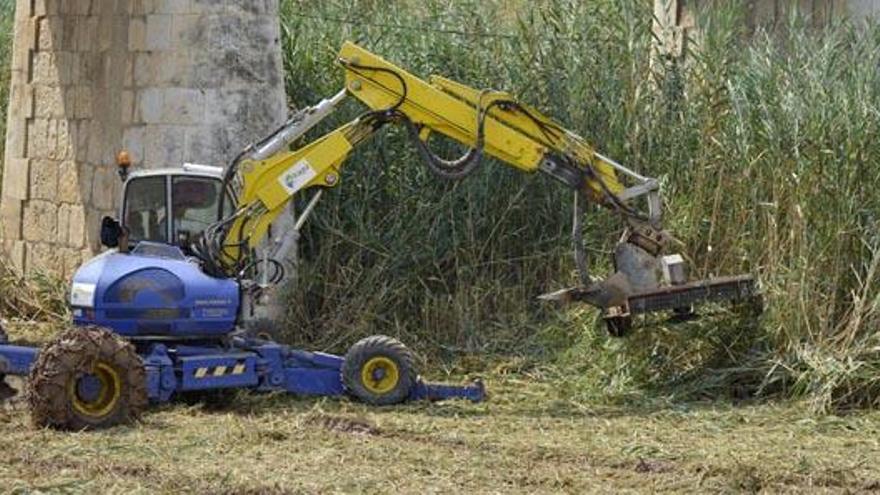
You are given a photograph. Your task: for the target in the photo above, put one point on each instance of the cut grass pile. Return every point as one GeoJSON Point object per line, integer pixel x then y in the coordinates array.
{"type": "Point", "coordinates": [767, 148]}
{"type": "Point", "coordinates": [37, 298]}
{"type": "Point", "coordinates": [528, 438]}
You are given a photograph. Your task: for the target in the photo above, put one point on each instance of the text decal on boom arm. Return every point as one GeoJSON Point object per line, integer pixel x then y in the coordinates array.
{"type": "Point", "coordinates": [297, 176]}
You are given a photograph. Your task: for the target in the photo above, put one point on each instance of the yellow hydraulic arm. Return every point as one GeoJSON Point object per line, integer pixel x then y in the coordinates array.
{"type": "Point", "coordinates": [266, 176]}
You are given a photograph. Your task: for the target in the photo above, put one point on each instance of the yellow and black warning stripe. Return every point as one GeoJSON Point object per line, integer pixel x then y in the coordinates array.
{"type": "Point", "coordinates": [215, 371]}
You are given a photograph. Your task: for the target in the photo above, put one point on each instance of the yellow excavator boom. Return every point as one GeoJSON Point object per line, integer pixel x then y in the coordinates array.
{"type": "Point", "coordinates": [521, 137]}
{"type": "Point", "coordinates": [268, 175]}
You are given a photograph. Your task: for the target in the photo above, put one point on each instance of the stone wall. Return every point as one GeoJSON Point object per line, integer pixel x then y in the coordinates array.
{"type": "Point", "coordinates": [675, 20]}
{"type": "Point", "coordinates": [171, 81]}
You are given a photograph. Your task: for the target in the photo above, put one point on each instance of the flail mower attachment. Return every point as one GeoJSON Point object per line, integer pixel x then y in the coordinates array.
{"type": "Point", "coordinates": [646, 282]}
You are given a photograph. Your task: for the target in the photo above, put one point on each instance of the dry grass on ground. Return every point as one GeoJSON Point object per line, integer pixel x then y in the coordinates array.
{"type": "Point", "coordinates": [526, 439]}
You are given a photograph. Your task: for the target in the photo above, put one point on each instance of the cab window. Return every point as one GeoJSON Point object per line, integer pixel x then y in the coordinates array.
{"type": "Point", "coordinates": [194, 204]}
{"type": "Point", "coordinates": [146, 209]}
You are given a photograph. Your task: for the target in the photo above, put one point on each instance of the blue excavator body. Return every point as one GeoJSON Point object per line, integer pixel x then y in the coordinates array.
{"type": "Point", "coordinates": [154, 291]}
{"type": "Point", "coordinates": [184, 328]}
{"type": "Point", "coordinates": [183, 325]}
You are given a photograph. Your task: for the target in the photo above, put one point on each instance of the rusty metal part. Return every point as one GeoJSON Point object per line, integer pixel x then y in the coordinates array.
{"type": "Point", "coordinates": [739, 288]}
{"type": "Point", "coordinates": [647, 238]}
{"type": "Point", "coordinates": [610, 292]}
{"type": "Point", "coordinates": [618, 326]}
{"type": "Point", "coordinates": [612, 295]}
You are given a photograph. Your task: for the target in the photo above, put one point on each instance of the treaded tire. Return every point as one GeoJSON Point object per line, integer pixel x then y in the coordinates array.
{"type": "Point", "coordinates": [370, 350]}
{"type": "Point", "coordinates": [78, 351]}
{"type": "Point", "coordinates": [6, 391]}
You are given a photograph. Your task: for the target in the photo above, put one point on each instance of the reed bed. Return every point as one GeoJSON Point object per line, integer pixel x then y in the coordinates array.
{"type": "Point", "coordinates": [766, 143]}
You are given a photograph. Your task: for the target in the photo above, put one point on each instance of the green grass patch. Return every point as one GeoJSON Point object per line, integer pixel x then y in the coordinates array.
{"type": "Point", "coordinates": [7, 11]}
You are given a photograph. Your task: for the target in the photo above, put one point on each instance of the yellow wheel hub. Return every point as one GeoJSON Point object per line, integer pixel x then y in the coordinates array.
{"type": "Point", "coordinates": [95, 394]}
{"type": "Point", "coordinates": [380, 375]}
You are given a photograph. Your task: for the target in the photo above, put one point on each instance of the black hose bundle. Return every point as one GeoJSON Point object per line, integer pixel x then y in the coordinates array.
{"type": "Point", "coordinates": [211, 248]}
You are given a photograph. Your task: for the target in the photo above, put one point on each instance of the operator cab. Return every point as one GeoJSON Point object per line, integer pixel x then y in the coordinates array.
{"type": "Point", "coordinates": [172, 206]}
{"type": "Point", "coordinates": [151, 286]}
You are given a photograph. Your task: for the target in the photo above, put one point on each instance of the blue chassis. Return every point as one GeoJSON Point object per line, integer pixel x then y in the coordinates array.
{"type": "Point", "coordinates": [247, 363]}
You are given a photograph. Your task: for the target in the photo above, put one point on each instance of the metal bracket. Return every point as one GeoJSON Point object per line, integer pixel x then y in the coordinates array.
{"type": "Point", "coordinates": [561, 171]}
{"type": "Point", "coordinates": [646, 186]}
{"type": "Point", "coordinates": [475, 392]}
{"type": "Point", "coordinates": [298, 125]}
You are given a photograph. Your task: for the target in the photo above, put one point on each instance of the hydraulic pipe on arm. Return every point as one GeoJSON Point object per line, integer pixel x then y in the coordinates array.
{"type": "Point", "coordinates": [264, 188]}
{"type": "Point", "coordinates": [495, 124]}
{"type": "Point", "coordinates": [266, 177]}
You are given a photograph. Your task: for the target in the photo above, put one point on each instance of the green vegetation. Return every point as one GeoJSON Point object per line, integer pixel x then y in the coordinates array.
{"type": "Point", "coordinates": [766, 146]}
{"type": "Point", "coordinates": [6, 13]}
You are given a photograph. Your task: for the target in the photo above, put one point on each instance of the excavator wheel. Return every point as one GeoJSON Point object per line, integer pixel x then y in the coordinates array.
{"type": "Point", "coordinates": [6, 390]}
{"type": "Point", "coordinates": [88, 378]}
{"type": "Point", "coordinates": [379, 370]}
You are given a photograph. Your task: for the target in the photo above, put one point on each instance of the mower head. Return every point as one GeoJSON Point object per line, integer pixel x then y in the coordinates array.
{"type": "Point", "coordinates": [647, 282]}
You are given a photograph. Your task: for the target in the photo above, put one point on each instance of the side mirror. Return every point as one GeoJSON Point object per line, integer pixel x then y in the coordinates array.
{"type": "Point", "coordinates": [111, 232]}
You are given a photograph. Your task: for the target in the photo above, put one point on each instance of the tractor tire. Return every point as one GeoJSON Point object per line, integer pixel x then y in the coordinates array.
{"type": "Point", "coordinates": [88, 378]}
{"type": "Point", "coordinates": [379, 370]}
{"type": "Point", "coordinates": [6, 391]}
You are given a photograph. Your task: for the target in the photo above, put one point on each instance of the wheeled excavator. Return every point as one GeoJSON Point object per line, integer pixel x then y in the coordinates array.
{"type": "Point", "coordinates": [183, 299]}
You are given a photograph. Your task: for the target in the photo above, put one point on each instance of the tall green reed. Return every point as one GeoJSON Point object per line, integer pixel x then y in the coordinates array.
{"type": "Point", "coordinates": [766, 145]}
{"type": "Point", "coordinates": [6, 16]}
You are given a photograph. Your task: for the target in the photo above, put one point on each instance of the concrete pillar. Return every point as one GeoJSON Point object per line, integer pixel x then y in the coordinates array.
{"type": "Point", "coordinates": [859, 9]}
{"type": "Point", "coordinates": [675, 20]}
{"type": "Point", "coordinates": [668, 33]}
{"type": "Point", "coordinates": [172, 81]}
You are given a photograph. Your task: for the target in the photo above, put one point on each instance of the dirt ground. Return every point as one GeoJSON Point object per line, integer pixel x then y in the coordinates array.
{"type": "Point", "coordinates": [525, 439]}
